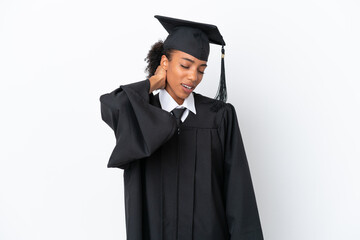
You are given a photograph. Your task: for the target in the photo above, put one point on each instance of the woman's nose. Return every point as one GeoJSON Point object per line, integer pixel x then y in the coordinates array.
{"type": "Point", "coordinates": [192, 75]}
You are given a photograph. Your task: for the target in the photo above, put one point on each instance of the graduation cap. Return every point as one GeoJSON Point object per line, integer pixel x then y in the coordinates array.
{"type": "Point", "coordinates": [194, 38]}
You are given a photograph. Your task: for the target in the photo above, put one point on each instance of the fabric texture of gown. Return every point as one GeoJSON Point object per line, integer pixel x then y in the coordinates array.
{"type": "Point", "coordinates": [186, 183]}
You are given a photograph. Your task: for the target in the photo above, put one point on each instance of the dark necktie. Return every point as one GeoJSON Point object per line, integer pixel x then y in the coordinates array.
{"type": "Point", "coordinates": [178, 112]}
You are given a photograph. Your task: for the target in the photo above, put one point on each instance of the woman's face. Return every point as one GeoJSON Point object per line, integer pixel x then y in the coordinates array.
{"type": "Point", "coordinates": [183, 73]}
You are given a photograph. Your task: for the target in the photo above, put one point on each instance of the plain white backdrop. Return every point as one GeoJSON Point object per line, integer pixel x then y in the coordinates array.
{"type": "Point", "coordinates": [292, 71]}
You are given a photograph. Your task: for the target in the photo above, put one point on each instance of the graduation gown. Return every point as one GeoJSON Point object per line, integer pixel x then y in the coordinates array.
{"type": "Point", "coordinates": [190, 182]}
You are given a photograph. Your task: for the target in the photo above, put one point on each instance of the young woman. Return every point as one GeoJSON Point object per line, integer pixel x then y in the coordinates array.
{"type": "Point", "coordinates": [186, 175]}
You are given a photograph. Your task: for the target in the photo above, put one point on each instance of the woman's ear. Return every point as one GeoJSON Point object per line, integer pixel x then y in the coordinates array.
{"type": "Point", "coordinates": [164, 62]}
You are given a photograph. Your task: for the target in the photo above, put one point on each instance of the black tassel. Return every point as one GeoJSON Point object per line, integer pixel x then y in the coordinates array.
{"type": "Point", "coordinates": [222, 93]}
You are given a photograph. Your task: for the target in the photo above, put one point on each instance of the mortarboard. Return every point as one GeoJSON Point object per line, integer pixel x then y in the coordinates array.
{"type": "Point", "coordinates": [194, 38]}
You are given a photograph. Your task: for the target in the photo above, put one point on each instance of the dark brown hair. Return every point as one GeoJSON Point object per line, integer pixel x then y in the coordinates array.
{"type": "Point", "coordinates": [154, 55]}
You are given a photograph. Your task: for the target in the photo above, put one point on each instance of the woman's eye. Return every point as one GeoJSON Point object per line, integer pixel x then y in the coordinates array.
{"type": "Point", "coordinates": [201, 72]}
{"type": "Point", "coordinates": [186, 67]}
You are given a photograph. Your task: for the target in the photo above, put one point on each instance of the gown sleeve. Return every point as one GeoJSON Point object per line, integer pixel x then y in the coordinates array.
{"type": "Point", "coordinates": [140, 128]}
{"type": "Point", "coordinates": [240, 203]}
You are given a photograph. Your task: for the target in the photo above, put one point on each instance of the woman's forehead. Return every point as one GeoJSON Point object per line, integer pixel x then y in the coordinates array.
{"type": "Point", "coordinates": [185, 56]}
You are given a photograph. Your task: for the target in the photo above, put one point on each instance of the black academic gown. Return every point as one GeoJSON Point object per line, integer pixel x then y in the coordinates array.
{"type": "Point", "coordinates": [186, 183]}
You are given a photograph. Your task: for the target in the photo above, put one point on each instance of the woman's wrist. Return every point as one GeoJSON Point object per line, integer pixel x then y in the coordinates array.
{"type": "Point", "coordinates": [151, 80]}
{"type": "Point", "coordinates": [154, 83]}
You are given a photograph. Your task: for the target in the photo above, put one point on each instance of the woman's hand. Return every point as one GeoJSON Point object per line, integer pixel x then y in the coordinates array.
{"type": "Point", "coordinates": [158, 80]}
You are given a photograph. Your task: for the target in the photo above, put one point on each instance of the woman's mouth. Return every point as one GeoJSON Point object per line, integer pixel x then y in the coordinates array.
{"type": "Point", "coordinates": [187, 89]}
{"type": "Point", "coordinates": [186, 86]}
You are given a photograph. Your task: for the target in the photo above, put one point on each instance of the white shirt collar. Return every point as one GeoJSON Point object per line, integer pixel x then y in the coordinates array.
{"type": "Point", "coordinates": [168, 103]}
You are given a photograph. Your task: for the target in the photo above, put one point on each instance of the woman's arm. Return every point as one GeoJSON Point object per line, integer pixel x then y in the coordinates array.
{"type": "Point", "coordinates": [140, 128]}
{"type": "Point", "coordinates": [241, 208]}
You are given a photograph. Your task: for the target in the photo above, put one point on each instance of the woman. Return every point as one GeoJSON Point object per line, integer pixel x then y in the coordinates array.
{"type": "Point", "coordinates": [186, 174]}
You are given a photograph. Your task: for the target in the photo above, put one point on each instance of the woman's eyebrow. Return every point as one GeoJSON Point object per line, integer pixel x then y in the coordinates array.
{"type": "Point", "coordinates": [187, 59]}
{"type": "Point", "coordinates": [192, 61]}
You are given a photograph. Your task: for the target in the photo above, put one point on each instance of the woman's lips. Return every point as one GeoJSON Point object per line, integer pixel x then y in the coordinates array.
{"type": "Point", "coordinates": [187, 88]}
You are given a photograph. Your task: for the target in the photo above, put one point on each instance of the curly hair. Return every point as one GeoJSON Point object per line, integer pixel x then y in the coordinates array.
{"type": "Point", "coordinates": [154, 55]}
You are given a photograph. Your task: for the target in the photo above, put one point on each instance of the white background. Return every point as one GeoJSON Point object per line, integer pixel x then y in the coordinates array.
{"type": "Point", "coordinates": [292, 71]}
